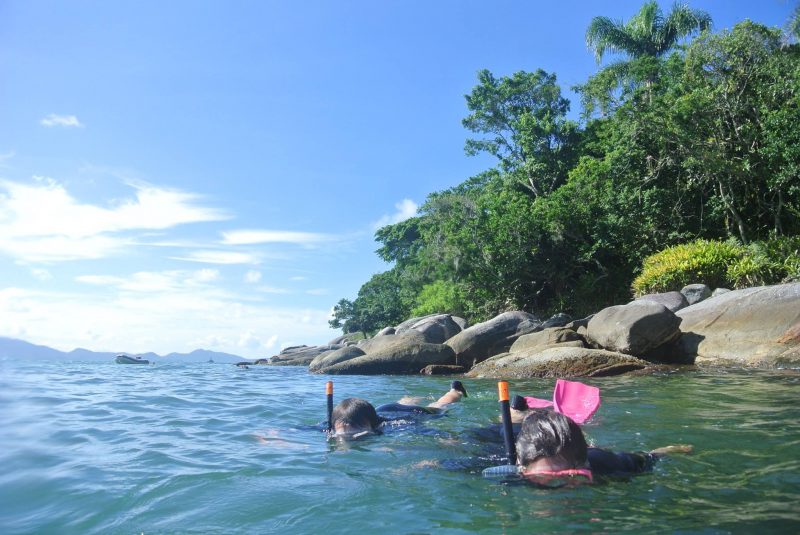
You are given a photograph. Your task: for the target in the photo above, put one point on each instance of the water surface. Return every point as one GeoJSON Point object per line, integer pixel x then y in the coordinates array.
{"type": "Point", "coordinates": [210, 448]}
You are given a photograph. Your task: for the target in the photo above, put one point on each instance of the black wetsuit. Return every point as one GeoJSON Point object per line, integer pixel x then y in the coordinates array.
{"type": "Point", "coordinates": [609, 463]}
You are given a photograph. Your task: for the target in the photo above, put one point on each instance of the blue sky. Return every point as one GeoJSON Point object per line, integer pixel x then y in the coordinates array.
{"type": "Point", "coordinates": [181, 175]}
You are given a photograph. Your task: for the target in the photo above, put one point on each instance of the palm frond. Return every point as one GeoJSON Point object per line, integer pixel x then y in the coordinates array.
{"type": "Point", "coordinates": [605, 35]}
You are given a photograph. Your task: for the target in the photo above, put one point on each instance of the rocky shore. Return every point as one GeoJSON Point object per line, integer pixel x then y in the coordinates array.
{"type": "Point", "coordinates": [753, 327]}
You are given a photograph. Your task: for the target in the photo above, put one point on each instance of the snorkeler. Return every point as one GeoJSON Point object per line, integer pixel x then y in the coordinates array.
{"type": "Point", "coordinates": [551, 446]}
{"type": "Point", "coordinates": [355, 417]}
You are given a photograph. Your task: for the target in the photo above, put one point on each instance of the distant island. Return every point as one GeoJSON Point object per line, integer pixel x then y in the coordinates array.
{"type": "Point", "coordinates": [12, 348]}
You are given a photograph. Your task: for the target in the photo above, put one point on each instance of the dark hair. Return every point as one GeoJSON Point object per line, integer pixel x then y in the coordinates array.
{"type": "Point", "coordinates": [518, 403]}
{"type": "Point", "coordinates": [356, 412]}
{"type": "Point", "coordinates": [546, 433]}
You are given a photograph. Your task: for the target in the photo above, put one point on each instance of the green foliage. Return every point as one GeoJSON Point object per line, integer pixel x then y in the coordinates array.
{"type": "Point", "coordinates": [523, 118]}
{"type": "Point", "coordinates": [700, 261]}
{"type": "Point", "coordinates": [697, 153]}
{"type": "Point", "coordinates": [720, 264]}
{"type": "Point", "coordinates": [439, 297]}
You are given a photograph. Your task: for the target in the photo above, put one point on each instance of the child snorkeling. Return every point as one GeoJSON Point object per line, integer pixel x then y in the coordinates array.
{"type": "Point", "coordinates": [355, 417]}
{"type": "Point", "coordinates": [552, 448]}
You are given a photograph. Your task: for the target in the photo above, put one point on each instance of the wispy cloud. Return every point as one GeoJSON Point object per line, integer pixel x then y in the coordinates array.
{"type": "Point", "coordinates": [219, 257]}
{"type": "Point", "coordinates": [43, 222]}
{"type": "Point", "coordinates": [254, 237]}
{"type": "Point", "coordinates": [5, 157]}
{"type": "Point", "coordinates": [68, 121]}
{"type": "Point", "coordinates": [252, 277]}
{"type": "Point", "coordinates": [154, 281]}
{"type": "Point", "coordinates": [404, 209]}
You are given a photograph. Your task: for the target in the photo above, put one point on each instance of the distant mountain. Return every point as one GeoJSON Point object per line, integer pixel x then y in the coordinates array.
{"type": "Point", "coordinates": [12, 348]}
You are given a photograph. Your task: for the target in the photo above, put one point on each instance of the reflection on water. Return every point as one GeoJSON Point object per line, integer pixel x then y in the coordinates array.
{"type": "Point", "coordinates": [89, 448]}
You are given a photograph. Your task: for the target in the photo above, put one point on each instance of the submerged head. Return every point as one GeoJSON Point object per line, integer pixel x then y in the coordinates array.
{"type": "Point", "coordinates": [354, 417]}
{"type": "Point", "coordinates": [548, 440]}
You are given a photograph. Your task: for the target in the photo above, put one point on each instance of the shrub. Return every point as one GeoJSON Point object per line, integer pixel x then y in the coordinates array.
{"type": "Point", "coordinates": [720, 264]}
{"type": "Point", "coordinates": [700, 261]}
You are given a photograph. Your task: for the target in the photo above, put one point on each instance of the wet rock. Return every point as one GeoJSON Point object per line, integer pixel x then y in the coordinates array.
{"type": "Point", "coordinates": [300, 355]}
{"type": "Point", "coordinates": [557, 362]}
{"type": "Point", "coordinates": [481, 341]}
{"type": "Point", "coordinates": [442, 369]}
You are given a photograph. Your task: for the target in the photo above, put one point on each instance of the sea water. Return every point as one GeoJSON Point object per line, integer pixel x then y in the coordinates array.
{"type": "Point", "coordinates": [211, 448]}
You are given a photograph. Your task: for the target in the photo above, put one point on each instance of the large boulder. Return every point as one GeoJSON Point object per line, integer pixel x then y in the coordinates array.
{"type": "Point", "coordinates": [672, 300]}
{"type": "Point", "coordinates": [481, 341]}
{"type": "Point", "coordinates": [300, 355]}
{"type": "Point", "coordinates": [557, 362]}
{"type": "Point", "coordinates": [372, 345]}
{"type": "Point", "coordinates": [751, 327]}
{"type": "Point", "coordinates": [555, 336]}
{"type": "Point", "coordinates": [436, 328]}
{"type": "Point", "coordinates": [400, 358]}
{"type": "Point", "coordinates": [633, 329]}
{"type": "Point", "coordinates": [329, 358]}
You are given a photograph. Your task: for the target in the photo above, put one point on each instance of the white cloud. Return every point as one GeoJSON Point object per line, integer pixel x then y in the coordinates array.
{"type": "Point", "coordinates": [253, 237]}
{"type": "Point", "coordinates": [219, 257]}
{"type": "Point", "coordinates": [162, 321]}
{"type": "Point", "coordinates": [272, 290]}
{"type": "Point", "coordinates": [252, 277]}
{"type": "Point", "coordinates": [298, 278]}
{"type": "Point", "coordinates": [43, 222]}
{"type": "Point", "coordinates": [153, 281]}
{"type": "Point", "coordinates": [405, 209]}
{"type": "Point", "coordinates": [69, 121]}
{"type": "Point", "coordinates": [42, 274]}
{"type": "Point", "coordinates": [317, 291]}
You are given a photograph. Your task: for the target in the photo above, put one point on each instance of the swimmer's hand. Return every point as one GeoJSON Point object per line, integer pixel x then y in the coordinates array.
{"type": "Point", "coordinates": [675, 448]}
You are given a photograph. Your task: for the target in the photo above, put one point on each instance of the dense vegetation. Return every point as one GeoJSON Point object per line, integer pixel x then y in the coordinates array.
{"type": "Point", "coordinates": [678, 143]}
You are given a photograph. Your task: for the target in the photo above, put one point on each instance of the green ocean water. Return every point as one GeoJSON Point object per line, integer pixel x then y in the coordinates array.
{"type": "Point", "coordinates": [210, 448]}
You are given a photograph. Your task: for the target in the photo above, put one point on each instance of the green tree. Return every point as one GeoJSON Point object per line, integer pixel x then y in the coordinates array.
{"type": "Point", "coordinates": [644, 39]}
{"type": "Point", "coordinates": [523, 118]}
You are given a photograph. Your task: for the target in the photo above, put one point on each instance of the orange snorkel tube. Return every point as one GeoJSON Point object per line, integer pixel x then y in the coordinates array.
{"type": "Point", "coordinates": [505, 413]}
{"type": "Point", "coordinates": [329, 395]}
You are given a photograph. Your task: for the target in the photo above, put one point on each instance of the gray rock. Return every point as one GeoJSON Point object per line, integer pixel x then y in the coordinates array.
{"type": "Point", "coordinates": [378, 343]}
{"type": "Point", "coordinates": [541, 340]}
{"type": "Point", "coordinates": [719, 291]}
{"type": "Point", "coordinates": [696, 292]}
{"type": "Point", "coordinates": [751, 327]}
{"type": "Point", "coordinates": [674, 301]}
{"type": "Point", "coordinates": [633, 329]}
{"type": "Point", "coordinates": [557, 320]}
{"type": "Point", "coordinates": [442, 369]}
{"type": "Point", "coordinates": [323, 360]}
{"type": "Point", "coordinates": [557, 362]}
{"type": "Point", "coordinates": [481, 341]}
{"type": "Point", "coordinates": [398, 359]}
{"type": "Point", "coordinates": [406, 325]}
{"type": "Point", "coordinates": [300, 355]}
{"type": "Point", "coordinates": [461, 322]}
{"type": "Point", "coordinates": [437, 328]}
{"type": "Point", "coordinates": [386, 330]}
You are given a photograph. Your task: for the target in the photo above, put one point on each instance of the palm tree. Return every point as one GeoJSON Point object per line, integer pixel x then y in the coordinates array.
{"type": "Point", "coordinates": [647, 35]}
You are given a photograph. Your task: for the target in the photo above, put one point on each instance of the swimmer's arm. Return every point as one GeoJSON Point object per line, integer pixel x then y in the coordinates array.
{"type": "Point", "coordinates": [669, 450]}
{"type": "Point", "coordinates": [452, 396]}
